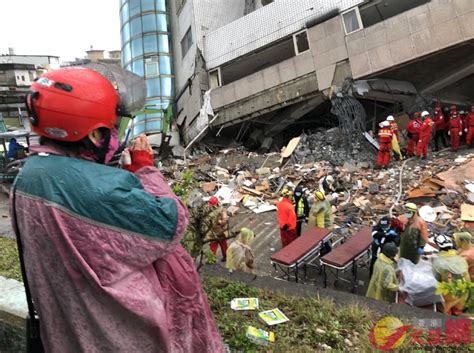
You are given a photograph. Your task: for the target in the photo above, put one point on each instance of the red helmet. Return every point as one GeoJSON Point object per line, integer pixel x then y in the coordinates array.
{"type": "Point", "coordinates": [416, 114]}
{"type": "Point", "coordinates": [213, 201]}
{"type": "Point", "coordinates": [68, 103]}
{"type": "Point", "coordinates": [453, 107]}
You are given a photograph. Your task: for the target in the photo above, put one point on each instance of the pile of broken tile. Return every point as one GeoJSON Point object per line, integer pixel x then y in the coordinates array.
{"type": "Point", "coordinates": [249, 182]}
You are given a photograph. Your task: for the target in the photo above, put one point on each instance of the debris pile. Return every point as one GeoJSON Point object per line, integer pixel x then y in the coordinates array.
{"type": "Point", "coordinates": [330, 146]}
{"type": "Point", "coordinates": [248, 182]}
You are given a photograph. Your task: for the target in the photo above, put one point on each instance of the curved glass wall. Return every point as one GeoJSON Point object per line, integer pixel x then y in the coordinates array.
{"type": "Point", "coordinates": [146, 51]}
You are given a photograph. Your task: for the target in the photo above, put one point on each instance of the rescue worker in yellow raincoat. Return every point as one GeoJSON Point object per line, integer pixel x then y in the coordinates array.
{"type": "Point", "coordinates": [466, 249]}
{"type": "Point", "coordinates": [240, 255]}
{"type": "Point", "coordinates": [383, 284]}
{"type": "Point", "coordinates": [448, 267]}
{"type": "Point", "coordinates": [320, 214]}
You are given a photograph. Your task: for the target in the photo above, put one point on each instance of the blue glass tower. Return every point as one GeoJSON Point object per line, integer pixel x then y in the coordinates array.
{"type": "Point", "coordinates": [146, 51]}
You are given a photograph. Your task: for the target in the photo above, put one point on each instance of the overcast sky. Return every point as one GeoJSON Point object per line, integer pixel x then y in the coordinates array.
{"type": "Point", "coordinates": [59, 27]}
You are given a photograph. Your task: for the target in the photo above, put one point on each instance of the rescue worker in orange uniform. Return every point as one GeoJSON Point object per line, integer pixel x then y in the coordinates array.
{"type": "Point", "coordinates": [385, 144]}
{"type": "Point", "coordinates": [286, 218]}
{"type": "Point", "coordinates": [426, 129]}
{"type": "Point", "coordinates": [395, 138]}
{"type": "Point", "coordinates": [413, 133]}
{"type": "Point", "coordinates": [393, 125]}
{"type": "Point", "coordinates": [455, 129]}
{"type": "Point", "coordinates": [440, 128]}
{"type": "Point", "coordinates": [469, 127]}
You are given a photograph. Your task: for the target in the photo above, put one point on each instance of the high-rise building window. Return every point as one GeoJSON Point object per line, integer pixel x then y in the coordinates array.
{"type": "Point", "coordinates": [352, 21]}
{"type": "Point", "coordinates": [301, 42]}
{"type": "Point", "coordinates": [146, 51]}
{"type": "Point", "coordinates": [186, 42]}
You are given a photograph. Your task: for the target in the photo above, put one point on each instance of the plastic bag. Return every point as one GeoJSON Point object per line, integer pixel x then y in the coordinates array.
{"type": "Point", "coordinates": [418, 282]}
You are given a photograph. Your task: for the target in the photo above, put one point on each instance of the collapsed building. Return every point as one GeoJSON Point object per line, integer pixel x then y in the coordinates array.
{"type": "Point", "coordinates": [273, 70]}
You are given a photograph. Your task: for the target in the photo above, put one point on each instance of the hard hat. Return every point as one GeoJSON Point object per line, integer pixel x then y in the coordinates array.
{"type": "Point", "coordinates": [385, 123]}
{"type": "Point", "coordinates": [443, 242]}
{"type": "Point", "coordinates": [416, 114]}
{"type": "Point", "coordinates": [66, 104]}
{"type": "Point", "coordinates": [213, 201]}
{"type": "Point", "coordinates": [411, 207]}
{"type": "Point", "coordinates": [390, 250]}
{"type": "Point", "coordinates": [285, 193]}
{"type": "Point", "coordinates": [425, 113]}
{"type": "Point", "coordinates": [453, 107]}
{"type": "Point", "coordinates": [390, 118]}
{"type": "Point", "coordinates": [461, 112]}
{"type": "Point", "coordinates": [462, 238]}
{"type": "Point", "coordinates": [320, 195]}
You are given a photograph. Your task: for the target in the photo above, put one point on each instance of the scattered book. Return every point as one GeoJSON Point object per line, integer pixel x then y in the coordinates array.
{"type": "Point", "coordinates": [273, 317]}
{"type": "Point", "coordinates": [259, 336]}
{"type": "Point", "coordinates": [244, 304]}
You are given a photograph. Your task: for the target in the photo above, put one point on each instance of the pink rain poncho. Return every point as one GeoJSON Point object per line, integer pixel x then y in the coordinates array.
{"type": "Point", "coordinates": [104, 261]}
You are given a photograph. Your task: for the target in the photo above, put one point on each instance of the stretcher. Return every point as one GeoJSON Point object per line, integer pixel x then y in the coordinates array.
{"type": "Point", "coordinates": [346, 255]}
{"type": "Point", "coordinates": [301, 252]}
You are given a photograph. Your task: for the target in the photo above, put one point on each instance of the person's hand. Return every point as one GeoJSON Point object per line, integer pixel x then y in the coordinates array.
{"type": "Point", "coordinates": [376, 242]}
{"type": "Point", "coordinates": [141, 154]}
{"type": "Point", "coordinates": [141, 143]}
{"type": "Point", "coordinates": [392, 232]}
{"type": "Point", "coordinates": [420, 251]}
{"type": "Point", "coordinates": [465, 130]}
{"type": "Point", "coordinates": [460, 133]}
{"type": "Point", "coordinates": [449, 133]}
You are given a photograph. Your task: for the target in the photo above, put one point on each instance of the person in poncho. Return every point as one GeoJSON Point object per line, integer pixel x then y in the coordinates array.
{"type": "Point", "coordinates": [240, 255]}
{"type": "Point", "coordinates": [102, 251]}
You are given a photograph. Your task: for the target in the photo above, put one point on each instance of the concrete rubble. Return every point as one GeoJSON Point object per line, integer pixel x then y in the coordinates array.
{"type": "Point", "coordinates": [360, 195]}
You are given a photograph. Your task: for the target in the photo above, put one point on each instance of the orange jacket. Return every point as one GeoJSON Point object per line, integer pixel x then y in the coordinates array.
{"type": "Point", "coordinates": [385, 135]}
{"type": "Point", "coordinates": [286, 213]}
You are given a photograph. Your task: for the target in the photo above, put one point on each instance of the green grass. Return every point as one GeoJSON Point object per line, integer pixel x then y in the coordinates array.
{"type": "Point", "coordinates": [308, 316]}
{"type": "Point", "coordinates": [9, 262]}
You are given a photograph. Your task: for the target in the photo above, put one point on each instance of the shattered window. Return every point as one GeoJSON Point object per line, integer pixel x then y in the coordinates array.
{"type": "Point", "coordinates": [301, 42]}
{"type": "Point", "coordinates": [352, 21]}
